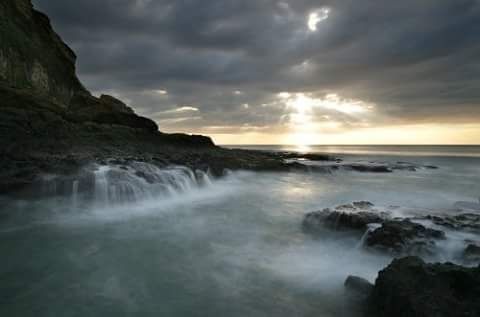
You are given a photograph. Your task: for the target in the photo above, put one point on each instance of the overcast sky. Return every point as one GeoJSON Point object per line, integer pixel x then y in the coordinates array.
{"type": "Point", "coordinates": [298, 71]}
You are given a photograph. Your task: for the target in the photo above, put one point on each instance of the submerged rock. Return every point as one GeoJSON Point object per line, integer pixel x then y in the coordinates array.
{"type": "Point", "coordinates": [410, 287]}
{"type": "Point", "coordinates": [403, 237]}
{"type": "Point", "coordinates": [472, 253]}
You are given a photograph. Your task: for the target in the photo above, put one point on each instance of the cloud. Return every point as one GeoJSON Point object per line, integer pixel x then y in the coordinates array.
{"type": "Point", "coordinates": [416, 61]}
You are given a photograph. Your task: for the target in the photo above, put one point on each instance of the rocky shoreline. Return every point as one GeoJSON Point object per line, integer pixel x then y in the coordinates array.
{"type": "Point", "coordinates": [409, 286]}
{"type": "Point", "coordinates": [50, 123]}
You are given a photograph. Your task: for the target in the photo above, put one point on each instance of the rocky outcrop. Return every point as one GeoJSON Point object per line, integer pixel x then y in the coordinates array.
{"type": "Point", "coordinates": [50, 123]}
{"type": "Point", "coordinates": [403, 237]}
{"type": "Point", "coordinates": [351, 217]}
{"type": "Point", "coordinates": [379, 231]}
{"type": "Point", "coordinates": [358, 286]}
{"type": "Point", "coordinates": [32, 55]}
{"type": "Point", "coordinates": [106, 110]}
{"type": "Point", "coordinates": [472, 253]}
{"type": "Point", "coordinates": [464, 221]}
{"type": "Point", "coordinates": [410, 287]}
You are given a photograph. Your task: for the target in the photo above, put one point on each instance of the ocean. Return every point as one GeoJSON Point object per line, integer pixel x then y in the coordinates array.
{"type": "Point", "coordinates": [219, 247]}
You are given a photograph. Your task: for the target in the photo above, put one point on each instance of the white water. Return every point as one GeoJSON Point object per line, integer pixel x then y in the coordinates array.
{"type": "Point", "coordinates": [114, 185]}
{"type": "Point", "coordinates": [183, 244]}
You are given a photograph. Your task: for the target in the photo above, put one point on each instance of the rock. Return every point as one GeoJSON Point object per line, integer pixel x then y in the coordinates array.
{"type": "Point", "coordinates": [403, 237]}
{"type": "Point", "coordinates": [358, 286]}
{"type": "Point", "coordinates": [368, 168]}
{"type": "Point", "coordinates": [115, 104]}
{"type": "Point", "coordinates": [363, 204]}
{"type": "Point", "coordinates": [106, 110]}
{"type": "Point", "coordinates": [410, 287]}
{"type": "Point", "coordinates": [32, 55]}
{"type": "Point", "coordinates": [472, 253]}
{"type": "Point", "coordinates": [464, 221]}
{"type": "Point", "coordinates": [351, 217]}
{"type": "Point", "coordinates": [307, 156]}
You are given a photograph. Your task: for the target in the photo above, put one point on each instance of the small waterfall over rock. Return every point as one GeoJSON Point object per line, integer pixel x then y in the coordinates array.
{"type": "Point", "coordinates": [109, 185]}
{"type": "Point", "coordinates": [371, 227]}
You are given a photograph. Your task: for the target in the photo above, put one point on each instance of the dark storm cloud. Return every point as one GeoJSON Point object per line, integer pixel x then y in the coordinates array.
{"type": "Point", "coordinates": [416, 60]}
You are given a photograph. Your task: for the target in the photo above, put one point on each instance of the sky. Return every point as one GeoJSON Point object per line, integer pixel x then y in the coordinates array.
{"type": "Point", "coordinates": [285, 71]}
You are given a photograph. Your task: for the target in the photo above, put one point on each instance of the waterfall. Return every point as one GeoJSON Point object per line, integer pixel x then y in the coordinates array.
{"type": "Point", "coordinates": [75, 193]}
{"type": "Point", "coordinates": [114, 184]}
{"type": "Point", "coordinates": [370, 227]}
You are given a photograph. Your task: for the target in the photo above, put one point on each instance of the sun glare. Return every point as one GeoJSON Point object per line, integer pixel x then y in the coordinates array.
{"type": "Point", "coordinates": [316, 17]}
{"type": "Point", "coordinates": [306, 120]}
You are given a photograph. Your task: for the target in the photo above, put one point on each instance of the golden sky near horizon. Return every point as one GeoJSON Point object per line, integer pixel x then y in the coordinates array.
{"type": "Point", "coordinates": [308, 120]}
{"type": "Point", "coordinates": [460, 134]}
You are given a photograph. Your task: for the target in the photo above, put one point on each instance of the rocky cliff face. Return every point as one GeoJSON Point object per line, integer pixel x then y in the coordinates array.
{"type": "Point", "coordinates": [32, 55]}
{"type": "Point", "coordinates": [48, 121]}
{"type": "Point", "coordinates": [50, 124]}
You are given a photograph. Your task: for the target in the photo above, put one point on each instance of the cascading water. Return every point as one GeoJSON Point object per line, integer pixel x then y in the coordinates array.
{"type": "Point", "coordinates": [110, 185]}
{"type": "Point", "coordinates": [370, 227]}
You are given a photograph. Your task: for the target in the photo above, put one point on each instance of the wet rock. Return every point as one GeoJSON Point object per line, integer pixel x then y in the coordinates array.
{"type": "Point", "coordinates": [403, 237]}
{"type": "Point", "coordinates": [363, 204]}
{"type": "Point", "coordinates": [472, 253]}
{"type": "Point", "coordinates": [464, 221]}
{"type": "Point", "coordinates": [368, 168]}
{"type": "Point", "coordinates": [307, 156]}
{"type": "Point", "coordinates": [358, 286]}
{"type": "Point", "coordinates": [350, 217]}
{"type": "Point", "coordinates": [410, 287]}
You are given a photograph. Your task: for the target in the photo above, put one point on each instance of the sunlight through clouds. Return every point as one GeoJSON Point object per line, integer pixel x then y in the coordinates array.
{"type": "Point", "coordinates": [316, 17]}
{"type": "Point", "coordinates": [303, 102]}
{"type": "Point", "coordinates": [305, 126]}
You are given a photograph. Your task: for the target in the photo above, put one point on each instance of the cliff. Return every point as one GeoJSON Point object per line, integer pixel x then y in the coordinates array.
{"type": "Point", "coordinates": [50, 124]}
{"type": "Point", "coordinates": [32, 55]}
{"type": "Point", "coordinates": [48, 120]}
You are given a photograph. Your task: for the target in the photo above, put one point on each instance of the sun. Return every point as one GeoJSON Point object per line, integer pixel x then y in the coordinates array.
{"type": "Point", "coordinates": [305, 120]}
{"type": "Point", "coordinates": [316, 17]}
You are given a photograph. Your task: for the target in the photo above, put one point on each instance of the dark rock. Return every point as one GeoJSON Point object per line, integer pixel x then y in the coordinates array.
{"type": "Point", "coordinates": [307, 156]}
{"type": "Point", "coordinates": [410, 287]}
{"type": "Point", "coordinates": [351, 217]}
{"type": "Point", "coordinates": [362, 204]}
{"type": "Point", "coordinates": [358, 286]}
{"type": "Point", "coordinates": [368, 168]}
{"type": "Point", "coordinates": [464, 221]}
{"type": "Point", "coordinates": [472, 253]}
{"type": "Point", "coordinates": [115, 104]}
{"type": "Point", "coordinates": [107, 110]}
{"type": "Point", "coordinates": [32, 55]}
{"type": "Point", "coordinates": [403, 237]}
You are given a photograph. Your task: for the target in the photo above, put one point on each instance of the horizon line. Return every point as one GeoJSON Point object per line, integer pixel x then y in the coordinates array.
{"type": "Point", "coordinates": [307, 145]}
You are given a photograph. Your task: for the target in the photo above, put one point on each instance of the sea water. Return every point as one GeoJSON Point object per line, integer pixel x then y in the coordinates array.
{"type": "Point", "coordinates": [190, 245]}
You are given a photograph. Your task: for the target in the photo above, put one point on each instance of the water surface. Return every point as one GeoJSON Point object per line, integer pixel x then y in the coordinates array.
{"type": "Point", "coordinates": [232, 247]}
